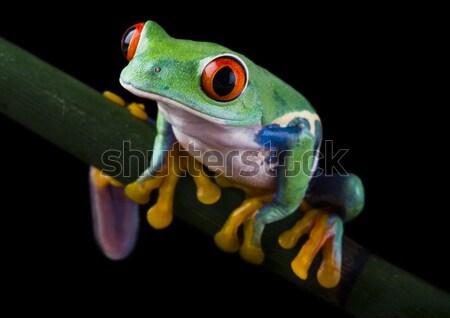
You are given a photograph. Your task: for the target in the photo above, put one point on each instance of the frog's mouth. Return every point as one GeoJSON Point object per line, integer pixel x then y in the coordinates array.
{"type": "Point", "coordinates": [173, 103]}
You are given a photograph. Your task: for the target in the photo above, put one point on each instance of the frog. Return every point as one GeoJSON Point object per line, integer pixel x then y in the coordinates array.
{"type": "Point", "coordinates": [219, 111]}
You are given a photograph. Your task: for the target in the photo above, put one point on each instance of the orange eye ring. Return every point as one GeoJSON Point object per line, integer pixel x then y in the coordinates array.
{"type": "Point", "coordinates": [224, 79]}
{"type": "Point", "coordinates": [130, 40]}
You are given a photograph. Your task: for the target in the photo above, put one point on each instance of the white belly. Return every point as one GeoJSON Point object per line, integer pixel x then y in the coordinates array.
{"type": "Point", "coordinates": [228, 150]}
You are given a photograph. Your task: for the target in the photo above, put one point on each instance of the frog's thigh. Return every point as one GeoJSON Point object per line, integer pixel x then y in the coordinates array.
{"type": "Point", "coordinates": [345, 194]}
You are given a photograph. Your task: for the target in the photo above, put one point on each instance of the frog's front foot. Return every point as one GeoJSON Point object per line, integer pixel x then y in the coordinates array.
{"type": "Point", "coordinates": [135, 109]}
{"type": "Point", "coordinates": [325, 231]}
{"type": "Point", "coordinates": [227, 238]}
{"type": "Point", "coordinates": [160, 215]}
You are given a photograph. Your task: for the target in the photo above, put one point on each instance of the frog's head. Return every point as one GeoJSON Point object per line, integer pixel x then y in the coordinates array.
{"type": "Point", "coordinates": [205, 79]}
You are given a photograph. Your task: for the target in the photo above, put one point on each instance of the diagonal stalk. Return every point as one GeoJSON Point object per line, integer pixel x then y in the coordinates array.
{"type": "Point", "coordinates": [79, 120]}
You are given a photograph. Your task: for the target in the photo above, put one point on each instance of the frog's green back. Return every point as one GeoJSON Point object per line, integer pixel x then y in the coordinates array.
{"type": "Point", "coordinates": [277, 98]}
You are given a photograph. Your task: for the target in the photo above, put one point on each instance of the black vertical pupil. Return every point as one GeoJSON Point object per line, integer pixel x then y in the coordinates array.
{"type": "Point", "coordinates": [126, 40]}
{"type": "Point", "coordinates": [224, 81]}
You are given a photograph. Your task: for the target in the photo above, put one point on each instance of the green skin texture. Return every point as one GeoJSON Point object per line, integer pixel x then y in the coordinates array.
{"type": "Point", "coordinates": [265, 99]}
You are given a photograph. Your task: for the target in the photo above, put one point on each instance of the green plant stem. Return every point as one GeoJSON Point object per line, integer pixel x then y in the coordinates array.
{"type": "Point", "coordinates": [79, 120]}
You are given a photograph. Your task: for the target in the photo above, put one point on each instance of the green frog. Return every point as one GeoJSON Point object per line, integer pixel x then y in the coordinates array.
{"type": "Point", "coordinates": [218, 109]}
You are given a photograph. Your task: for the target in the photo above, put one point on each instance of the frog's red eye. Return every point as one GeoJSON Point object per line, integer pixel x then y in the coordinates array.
{"type": "Point", "coordinates": [224, 79]}
{"type": "Point", "coordinates": [130, 40]}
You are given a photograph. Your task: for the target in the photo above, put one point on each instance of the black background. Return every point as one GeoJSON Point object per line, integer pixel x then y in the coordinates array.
{"type": "Point", "coordinates": [328, 55]}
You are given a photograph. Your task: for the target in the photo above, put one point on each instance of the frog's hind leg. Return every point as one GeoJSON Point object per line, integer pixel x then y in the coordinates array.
{"type": "Point", "coordinates": [329, 201]}
{"type": "Point", "coordinates": [115, 217]}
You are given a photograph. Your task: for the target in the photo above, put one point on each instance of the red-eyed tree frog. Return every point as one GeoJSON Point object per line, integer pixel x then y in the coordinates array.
{"type": "Point", "coordinates": [218, 109]}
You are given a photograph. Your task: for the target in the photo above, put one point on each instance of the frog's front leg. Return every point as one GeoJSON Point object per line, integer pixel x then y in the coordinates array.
{"type": "Point", "coordinates": [163, 173]}
{"type": "Point", "coordinates": [169, 161]}
{"type": "Point", "coordinates": [227, 238]}
{"type": "Point", "coordinates": [295, 147]}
